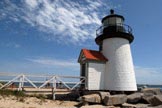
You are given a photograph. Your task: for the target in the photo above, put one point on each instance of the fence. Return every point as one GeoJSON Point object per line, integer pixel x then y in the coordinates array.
{"type": "Point", "coordinates": [41, 81]}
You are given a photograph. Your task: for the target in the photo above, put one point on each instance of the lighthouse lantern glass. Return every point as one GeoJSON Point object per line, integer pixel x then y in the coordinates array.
{"type": "Point", "coordinates": [113, 21]}
{"type": "Point", "coordinates": [119, 21]}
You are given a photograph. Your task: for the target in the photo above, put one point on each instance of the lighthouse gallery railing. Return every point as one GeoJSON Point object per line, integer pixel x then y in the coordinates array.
{"type": "Point", "coordinates": [118, 27]}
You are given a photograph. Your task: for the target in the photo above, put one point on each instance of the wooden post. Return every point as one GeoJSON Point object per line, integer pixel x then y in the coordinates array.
{"type": "Point", "coordinates": [20, 83]}
{"type": "Point", "coordinates": [54, 88]}
{"type": "Point", "coordinates": [53, 94]}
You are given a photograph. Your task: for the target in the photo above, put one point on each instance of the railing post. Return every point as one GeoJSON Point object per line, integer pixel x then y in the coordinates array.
{"type": "Point", "coordinates": [20, 83]}
{"type": "Point", "coordinates": [54, 88]}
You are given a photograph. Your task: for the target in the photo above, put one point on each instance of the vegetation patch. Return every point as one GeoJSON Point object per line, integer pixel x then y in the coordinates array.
{"type": "Point", "coordinates": [6, 92]}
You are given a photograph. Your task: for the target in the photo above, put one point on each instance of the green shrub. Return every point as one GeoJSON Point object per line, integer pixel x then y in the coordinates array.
{"type": "Point", "coordinates": [3, 83]}
{"type": "Point", "coordinates": [19, 93]}
{"type": "Point", "coordinates": [7, 92]}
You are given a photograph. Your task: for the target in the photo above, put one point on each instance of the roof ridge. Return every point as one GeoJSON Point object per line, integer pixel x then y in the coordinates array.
{"type": "Point", "coordinates": [93, 55]}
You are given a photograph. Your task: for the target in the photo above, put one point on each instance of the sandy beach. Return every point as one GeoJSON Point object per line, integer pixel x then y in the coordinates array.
{"type": "Point", "coordinates": [38, 98]}
{"type": "Point", "coordinates": [33, 102]}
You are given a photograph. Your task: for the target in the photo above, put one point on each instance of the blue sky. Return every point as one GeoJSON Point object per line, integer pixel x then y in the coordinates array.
{"type": "Point", "coordinates": [46, 36]}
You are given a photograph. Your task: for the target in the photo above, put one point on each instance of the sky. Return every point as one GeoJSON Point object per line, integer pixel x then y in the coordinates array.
{"type": "Point", "coordinates": [46, 36]}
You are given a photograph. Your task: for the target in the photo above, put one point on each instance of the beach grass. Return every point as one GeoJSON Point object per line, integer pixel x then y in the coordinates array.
{"type": "Point", "coordinates": [6, 92]}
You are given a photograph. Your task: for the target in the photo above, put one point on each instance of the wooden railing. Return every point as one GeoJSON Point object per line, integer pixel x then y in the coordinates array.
{"type": "Point", "coordinates": [41, 81]}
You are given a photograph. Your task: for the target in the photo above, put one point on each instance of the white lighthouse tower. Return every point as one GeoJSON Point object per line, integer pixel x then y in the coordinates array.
{"type": "Point", "coordinates": [114, 38]}
{"type": "Point", "coordinates": [110, 68]}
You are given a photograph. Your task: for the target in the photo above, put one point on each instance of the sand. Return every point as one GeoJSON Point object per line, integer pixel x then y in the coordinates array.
{"type": "Point", "coordinates": [33, 102]}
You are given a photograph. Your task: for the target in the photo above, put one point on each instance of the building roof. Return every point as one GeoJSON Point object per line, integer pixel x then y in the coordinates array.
{"type": "Point", "coordinates": [92, 55]}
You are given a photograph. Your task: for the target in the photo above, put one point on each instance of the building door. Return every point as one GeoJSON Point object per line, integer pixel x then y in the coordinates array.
{"type": "Point", "coordinates": [83, 70]}
{"type": "Point", "coordinates": [83, 74]}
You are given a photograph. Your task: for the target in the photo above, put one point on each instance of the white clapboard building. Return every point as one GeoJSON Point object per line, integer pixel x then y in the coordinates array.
{"type": "Point", "coordinates": [111, 67]}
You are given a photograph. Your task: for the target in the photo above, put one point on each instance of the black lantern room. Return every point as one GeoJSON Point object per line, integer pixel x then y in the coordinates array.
{"type": "Point", "coordinates": [113, 26]}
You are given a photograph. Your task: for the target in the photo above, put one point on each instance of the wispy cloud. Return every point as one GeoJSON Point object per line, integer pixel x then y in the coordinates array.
{"type": "Point", "coordinates": [64, 19]}
{"type": "Point", "coordinates": [10, 45]}
{"type": "Point", "coordinates": [42, 66]}
{"type": "Point", "coordinates": [55, 62]}
{"type": "Point", "coordinates": [147, 75]}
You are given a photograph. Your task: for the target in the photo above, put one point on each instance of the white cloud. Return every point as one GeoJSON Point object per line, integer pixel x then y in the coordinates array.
{"type": "Point", "coordinates": [32, 3]}
{"type": "Point", "coordinates": [74, 21]}
{"type": "Point", "coordinates": [55, 62]}
{"type": "Point", "coordinates": [146, 75]}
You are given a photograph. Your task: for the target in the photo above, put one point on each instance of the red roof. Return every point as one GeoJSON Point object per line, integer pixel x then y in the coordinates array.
{"type": "Point", "coordinates": [93, 55]}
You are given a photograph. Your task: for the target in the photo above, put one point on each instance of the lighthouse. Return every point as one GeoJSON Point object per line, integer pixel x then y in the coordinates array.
{"type": "Point", "coordinates": [111, 67]}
